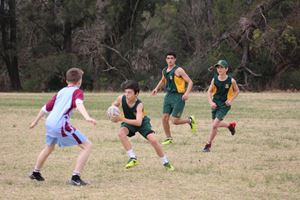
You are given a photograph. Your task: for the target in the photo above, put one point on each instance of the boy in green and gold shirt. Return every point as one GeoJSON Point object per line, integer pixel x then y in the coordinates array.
{"type": "Point", "coordinates": [135, 120]}
{"type": "Point", "coordinates": [174, 79]}
{"type": "Point", "coordinates": [221, 93]}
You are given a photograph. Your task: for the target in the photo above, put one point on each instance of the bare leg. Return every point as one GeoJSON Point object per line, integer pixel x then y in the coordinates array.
{"type": "Point", "coordinates": [166, 125]}
{"type": "Point", "coordinates": [123, 132]}
{"type": "Point", "coordinates": [178, 121]}
{"type": "Point", "coordinates": [215, 124]}
{"type": "Point", "coordinates": [42, 157]}
{"type": "Point", "coordinates": [223, 124]}
{"type": "Point", "coordinates": [86, 148]}
{"type": "Point", "coordinates": [151, 138]}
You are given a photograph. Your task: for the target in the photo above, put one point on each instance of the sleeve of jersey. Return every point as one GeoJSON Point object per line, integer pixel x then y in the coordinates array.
{"type": "Point", "coordinates": [49, 105]}
{"type": "Point", "coordinates": [77, 98]}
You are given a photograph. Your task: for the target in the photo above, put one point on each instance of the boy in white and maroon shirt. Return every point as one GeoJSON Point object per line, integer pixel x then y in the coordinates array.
{"type": "Point", "coordinates": [58, 128]}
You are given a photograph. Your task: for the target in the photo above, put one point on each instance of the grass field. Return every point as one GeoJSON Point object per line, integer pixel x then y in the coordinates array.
{"type": "Point", "coordinates": [262, 161]}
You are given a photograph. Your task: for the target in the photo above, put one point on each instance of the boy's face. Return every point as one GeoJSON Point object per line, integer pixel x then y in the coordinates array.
{"type": "Point", "coordinates": [221, 70]}
{"type": "Point", "coordinates": [170, 60]}
{"type": "Point", "coordinates": [130, 95]}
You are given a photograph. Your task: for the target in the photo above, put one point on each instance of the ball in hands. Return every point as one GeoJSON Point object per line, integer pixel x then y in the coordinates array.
{"type": "Point", "coordinates": [112, 111]}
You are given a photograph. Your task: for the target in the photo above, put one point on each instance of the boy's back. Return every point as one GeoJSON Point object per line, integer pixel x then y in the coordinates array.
{"type": "Point", "coordinates": [58, 129]}
{"type": "Point", "coordinates": [61, 106]}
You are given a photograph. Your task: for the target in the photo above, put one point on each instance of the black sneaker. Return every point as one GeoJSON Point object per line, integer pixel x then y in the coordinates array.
{"type": "Point", "coordinates": [36, 176]}
{"type": "Point", "coordinates": [76, 181]}
{"type": "Point", "coordinates": [206, 148]}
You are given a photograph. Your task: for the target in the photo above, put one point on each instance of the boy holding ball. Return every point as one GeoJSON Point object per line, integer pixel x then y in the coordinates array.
{"type": "Point", "coordinates": [134, 120]}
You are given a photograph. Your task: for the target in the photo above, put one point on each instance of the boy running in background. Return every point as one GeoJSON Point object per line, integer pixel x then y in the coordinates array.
{"type": "Point", "coordinates": [174, 79]}
{"type": "Point", "coordinates": [221, 93]}
{"type": "Point", "coordinates": [134, 120]}
{"type": "Point", "coordinates": [58, 128]}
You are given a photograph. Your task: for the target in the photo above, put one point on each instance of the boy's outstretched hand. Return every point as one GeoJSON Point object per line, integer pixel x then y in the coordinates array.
{"type": "Point", "coordinates": [91, 120]}
{"type": "Point", "coordinates": [154, 92]}
{"type": "Point", "coordinates": [37, 119]}
{"type": "Point", "coordinates": [33, 124]}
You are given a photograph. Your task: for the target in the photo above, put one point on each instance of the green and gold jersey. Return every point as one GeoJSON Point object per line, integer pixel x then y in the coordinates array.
{"type": "Point", "coordinates": [222, 90]}
{"type": "Point", "coordinates": [174, 84]}
{"type": "Point", "coordinates": [130, 112]}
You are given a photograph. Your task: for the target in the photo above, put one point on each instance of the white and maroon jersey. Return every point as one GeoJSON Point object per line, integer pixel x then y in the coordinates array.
{"type": "Point", "coordinates": [60, 108]}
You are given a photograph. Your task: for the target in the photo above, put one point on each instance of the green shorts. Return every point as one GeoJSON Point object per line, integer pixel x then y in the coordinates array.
{"type": "Point", "coordinates": [173, 104]}
{"type": "Point", "coordinates": [220, 112]}
{"type": "Point", "coordinates": [144, 129]}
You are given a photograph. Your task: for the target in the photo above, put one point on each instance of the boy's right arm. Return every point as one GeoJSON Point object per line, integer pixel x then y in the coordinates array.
{"type": "Point", "coordinates": [118, 101]}
{"type": "Point", "coordinates": [159, 85]}
{"type": "Point", "coordinates": [41, 114]}
{"type": "Point", "coordinates": [45, 109]}
{"type": "Point", "coordinates": [210, 95]}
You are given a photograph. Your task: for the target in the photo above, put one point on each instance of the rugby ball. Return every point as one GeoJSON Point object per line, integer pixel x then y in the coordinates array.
{"type": "Point", "coordinates": [111, 111]}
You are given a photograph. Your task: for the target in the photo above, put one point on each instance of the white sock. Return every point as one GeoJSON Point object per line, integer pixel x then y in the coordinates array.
{"type": "Point", "coordinates": [131, 153]}
{"type": "Point", "coordinates": [36, 170]}
{"type": "Point", "coordinates": [164, 159]}
{"type": "Point", "coordinates": [76, 173]}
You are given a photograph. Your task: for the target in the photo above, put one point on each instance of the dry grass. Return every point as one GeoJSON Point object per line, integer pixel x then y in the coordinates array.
{"type": "Point", "coordinates": [261, 162]}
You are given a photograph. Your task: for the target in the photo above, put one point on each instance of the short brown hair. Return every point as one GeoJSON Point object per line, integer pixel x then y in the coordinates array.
{"type": "Point", "coordinates": [74, 75]}
{"type": "Point", "coordinates": [131, 84]}
{"type": "Point", "coordinates": [171, 54]}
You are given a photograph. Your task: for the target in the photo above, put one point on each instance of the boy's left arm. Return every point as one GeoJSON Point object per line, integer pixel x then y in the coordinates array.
{"type": "Point", "coordinates": [189, 81]}
{"type": "Point", "coordinates": [236, 92]}
{"type": "Point", "coordinates": [80, 107]}
{"type": "Point", "coordinates": [135, 122]}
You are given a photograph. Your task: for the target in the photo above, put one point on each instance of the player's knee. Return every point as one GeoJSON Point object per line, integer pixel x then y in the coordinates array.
{"type": "Point", "coordinates": [122, 134]}
{"type": "Point", "coordinates": [50, 148]}
{"type": "Point", "coordinates": [153, 141]}
{"type": "Point", "coordinates": [215, 125]}
{"type": "Point", "coordinates": [165, 118]}
{"type": "Point", "coordinates": [88, 145]}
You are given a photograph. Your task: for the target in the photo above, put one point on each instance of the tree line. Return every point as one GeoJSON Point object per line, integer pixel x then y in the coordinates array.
{"type": "Point", "coordinates": [116, 40]}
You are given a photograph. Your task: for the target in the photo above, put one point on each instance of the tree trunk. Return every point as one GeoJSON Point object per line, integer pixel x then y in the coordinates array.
{"type": "Point", "coordinates": [68, 36]}
{"type": "Point", "coordinates": [10, 56]}
{"type": "Point", "coordinates": [210, 18]}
